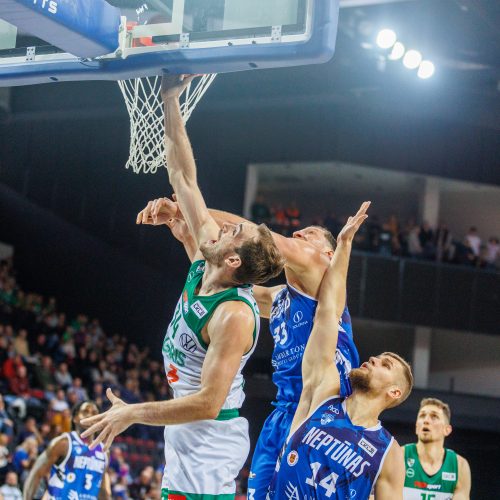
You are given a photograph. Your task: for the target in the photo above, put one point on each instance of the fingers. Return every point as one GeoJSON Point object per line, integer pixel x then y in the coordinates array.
{"type": "Point", "coordinates": [114, 399]}
{"type": "Point", "coordinates": [87, 422]}
{"type": "Point", "coordinates": [94, 429]}
{"type": "Point", "coordinates": [101, 437]}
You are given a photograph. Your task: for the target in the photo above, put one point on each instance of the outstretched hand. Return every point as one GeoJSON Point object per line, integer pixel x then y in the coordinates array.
{"type": "Point", "coordinates": [109, 424]}
{"type": "Point", "coordinates": [347, 233]}
{"type": "Point", "coordinates": [172, 86]}
{"type": "Point", "coordinates": [158, 212]}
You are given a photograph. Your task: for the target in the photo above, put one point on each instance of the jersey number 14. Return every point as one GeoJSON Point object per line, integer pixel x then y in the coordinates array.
{"type": "Point", "coordinates": [328, 483]}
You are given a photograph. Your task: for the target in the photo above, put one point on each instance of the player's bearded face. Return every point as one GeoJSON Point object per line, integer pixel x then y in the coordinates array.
{"type": "Point", "coordinates": [212, 253]}
{"type": "Point", "coordinates": [360, 380]}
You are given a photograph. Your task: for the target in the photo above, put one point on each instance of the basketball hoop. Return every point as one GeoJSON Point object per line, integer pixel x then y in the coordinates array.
{"type": "Point", "coordinates": [145, 108]}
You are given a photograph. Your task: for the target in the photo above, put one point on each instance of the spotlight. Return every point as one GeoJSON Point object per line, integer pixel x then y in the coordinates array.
{"type": "Point", "coordinates": [426, 70]}
{"type": "Point", "coordinates": [412, 59]}
{"type": "Point", "coordinates": [398, 51]}
{"type": "Point", "coordinates": [386, 39]}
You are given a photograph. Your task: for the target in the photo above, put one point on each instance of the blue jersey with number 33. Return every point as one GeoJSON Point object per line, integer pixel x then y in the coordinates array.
{"type": "Point", "coordinates": [79, 475]}
{"type": "Point", "coordinates": [291, 321]}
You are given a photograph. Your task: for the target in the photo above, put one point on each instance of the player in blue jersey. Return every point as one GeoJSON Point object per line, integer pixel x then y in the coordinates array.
{"type": "Point", "coordinates": [74, 471]}
{"type": "Point", "coordinates": [290, 309]}
{"type": "Point", "coordinates": [337, 448]}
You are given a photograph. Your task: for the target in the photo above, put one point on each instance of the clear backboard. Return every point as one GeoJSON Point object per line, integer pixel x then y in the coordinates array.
{"type": "Point", "coordinates": [60, 40]}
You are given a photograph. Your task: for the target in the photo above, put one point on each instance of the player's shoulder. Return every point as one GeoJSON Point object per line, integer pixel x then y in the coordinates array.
{"type": "Point", "coordinates": [59, 446]}
{"type": "Point", "coordinates": [462, 462]}
{"type": "Point", "coordinates": [233, 311]}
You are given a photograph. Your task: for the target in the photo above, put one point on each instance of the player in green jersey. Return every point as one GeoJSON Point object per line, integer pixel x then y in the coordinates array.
{"type": "Point", "coordinates": [434, 472]}
{"type": "Point", "coordinates": [212, 334]}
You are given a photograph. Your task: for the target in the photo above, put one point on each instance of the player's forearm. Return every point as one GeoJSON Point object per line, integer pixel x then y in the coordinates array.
{"type": "Point", "coordinates": [199, 406]}
{"type": "Point", "coordinates": [31, 485]}
{"type": "Point", "coordinates": [332, 293]}
{"type": "Point", "coordinates": [180, 158]}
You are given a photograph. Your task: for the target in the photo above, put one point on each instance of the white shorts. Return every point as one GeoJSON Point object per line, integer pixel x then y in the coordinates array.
{"type": "Point", "coordinates": [204, 458]}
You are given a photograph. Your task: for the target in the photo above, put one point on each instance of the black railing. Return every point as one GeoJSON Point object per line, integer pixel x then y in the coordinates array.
{"type": "Point", "coordinates": [424, 293]}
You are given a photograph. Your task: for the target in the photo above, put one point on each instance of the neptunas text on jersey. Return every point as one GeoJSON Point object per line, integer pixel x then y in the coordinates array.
{"type": "Point", "coordinates": [340, 452]}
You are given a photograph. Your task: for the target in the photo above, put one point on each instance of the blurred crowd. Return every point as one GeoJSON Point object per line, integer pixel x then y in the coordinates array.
{"type": "Point", "coordinates": [48, 363]}
{"type": "Point", "coordinates": [391, 236]}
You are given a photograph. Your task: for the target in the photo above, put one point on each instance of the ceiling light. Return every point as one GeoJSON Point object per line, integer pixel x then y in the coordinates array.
{"type": "Point", "coordinates": [412, 59]}
{"type": "Point", "coordinates": [398, 51]}
{"type": "Point", "coordinates": [386, 39]}
{"type": "Point", "coordinates": [426, 69]}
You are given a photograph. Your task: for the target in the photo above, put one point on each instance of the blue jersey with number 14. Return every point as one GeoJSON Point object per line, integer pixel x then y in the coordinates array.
{"type": "Point", "coordinates": [291, 321]}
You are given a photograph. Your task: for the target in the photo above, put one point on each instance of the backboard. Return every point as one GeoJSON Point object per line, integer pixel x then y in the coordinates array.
{"type": "Point", "coordinates": [61, 40]}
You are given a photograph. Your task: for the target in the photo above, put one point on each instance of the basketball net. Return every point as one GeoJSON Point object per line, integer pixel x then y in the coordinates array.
{"type": "Point", "coordinates": [145, 108]}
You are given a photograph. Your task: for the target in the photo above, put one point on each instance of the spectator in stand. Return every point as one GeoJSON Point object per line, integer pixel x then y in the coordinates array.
{"type": "Point", "coordinates": [293, 215]}
{"type": "Point", "coordinates": [385, 240]}
{"type": "Point", "coordinates": [4, 457]}
{"type": "Point", "coordinates": [444, 243]}
{"type": "Point", "coordinates": [63, 377]}
{"type": "Point", "coordinates": [464, 254]}
{"type": "Point", "coordinates": [10, 490]}
{"type": "Point", "coordinates": [79, 390]}
{"type": "Point", "coordinates": [30, 430]}
{"type": "Point", "coordinates": [44, 373]}
{"type": "Point", "coordinates": [414, 246]}
{"type": "Point", "coordinates": [279, 219]}
{"type": "Point", "coordinates": [426, 237]}
{"type": "Point", "coordinates": [24, 457]}
{"type": "Point", "coordinates": [374, 229]}
{"type": "Point", "coordinates": [21, 344]}
{"type": "Point", "coordinates": [59, 403]}
{"type": "Point", "coordinates": [261, 214]}
{"type": "Point", "coordinates": [140, 487]}
{"type": "Point", "coordinates": [6, 423]}
{"type": "Point", "coordinates": [474, 241]}
{"type": "Point", "coordinates": [492, 253]}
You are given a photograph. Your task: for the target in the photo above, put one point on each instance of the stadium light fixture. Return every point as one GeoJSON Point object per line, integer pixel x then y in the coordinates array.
{"type": "Point", "coordinates": [426, 70]}
{"type": "Point", "coordinates": [412, 59]}
{"type": "Point", "coordinates": [386, 38]}
{"type": "Point", "coordinates": [397, 52]}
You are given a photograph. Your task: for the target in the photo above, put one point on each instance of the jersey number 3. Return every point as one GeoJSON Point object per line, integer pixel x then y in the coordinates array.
{"type": "Point", "coordinates": [172, 374]}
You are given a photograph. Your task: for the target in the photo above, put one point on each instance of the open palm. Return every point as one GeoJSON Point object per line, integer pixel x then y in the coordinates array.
{"type": "Point", "coordinates": [353, 224]}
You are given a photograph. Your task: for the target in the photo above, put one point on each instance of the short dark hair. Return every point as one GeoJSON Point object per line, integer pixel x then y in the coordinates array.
{"type": "Point", "coordinates": [329, 237]}
{"type": "Point", "coordinates": [440, 404]}
{"type": "Point", "coordinates": [260, 258]}
{"type": "Point", "coordinates": [76, 409]}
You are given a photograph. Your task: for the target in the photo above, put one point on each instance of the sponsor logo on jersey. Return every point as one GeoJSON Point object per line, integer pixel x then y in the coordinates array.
{"type": "Point", "coordinates": [70, 477]}
{"type": "Point", "coordinates": [298, 316]}
{"type": "Point", "coordinates": [410, 473]}
{"type": "Point", "coordinates": [280, 306]}
{"type": "Point", "coordinates": [78, 450]}
{"type": "Point", "coordinates": [367, 446]}
{"type": "Point", "coordinates": [352, 493]}
{"type": "Point", "coordinates": [198, 309]}
{"type": "Point", "coordinates": [191, 275]}
{"type": "Point", "coordinates": [201, 268]}
{"type": "Point", "coordinates": [185, 304]}
{"type": "Point", "coordinates": [410, 462]}
{"type": "Point", "coordinates": [333, 409]}
{"type": "Point", "coordinates": [449, 476]}
{"type": "Point", "coordinates": [292, 458]}
{"type": "Point", "coordinates": [187, 342]}
{"type": "Point", "coordinates": [326, 418]}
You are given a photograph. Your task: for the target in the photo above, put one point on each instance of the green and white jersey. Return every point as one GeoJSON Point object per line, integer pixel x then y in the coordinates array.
{"type": "Point", "coordinates": [420, 486]}
{"type": "Point", "coordinates": [184, 350]}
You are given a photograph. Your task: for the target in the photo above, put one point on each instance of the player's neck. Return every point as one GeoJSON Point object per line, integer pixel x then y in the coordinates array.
{"type": "Point", "coordinates": [363, 409]}
{"type": "Point", "coordinates": [215, 279]}
{"type": "Point", "coordinates": [431, 453]}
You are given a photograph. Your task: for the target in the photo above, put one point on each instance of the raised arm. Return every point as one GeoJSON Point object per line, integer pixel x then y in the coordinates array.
{"type": "Point", "coordinates": [54, 453]}
{"type": "Point", "coordinates": [229, 341]}
{"type": "Point", "coordinates": [319, 373]}
{"type": "Point", "coordinates": [181, 165]}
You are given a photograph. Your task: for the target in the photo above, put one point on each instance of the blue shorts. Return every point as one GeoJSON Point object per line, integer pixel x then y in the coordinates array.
{"type": "Point", "coordinates": [271, 440]}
